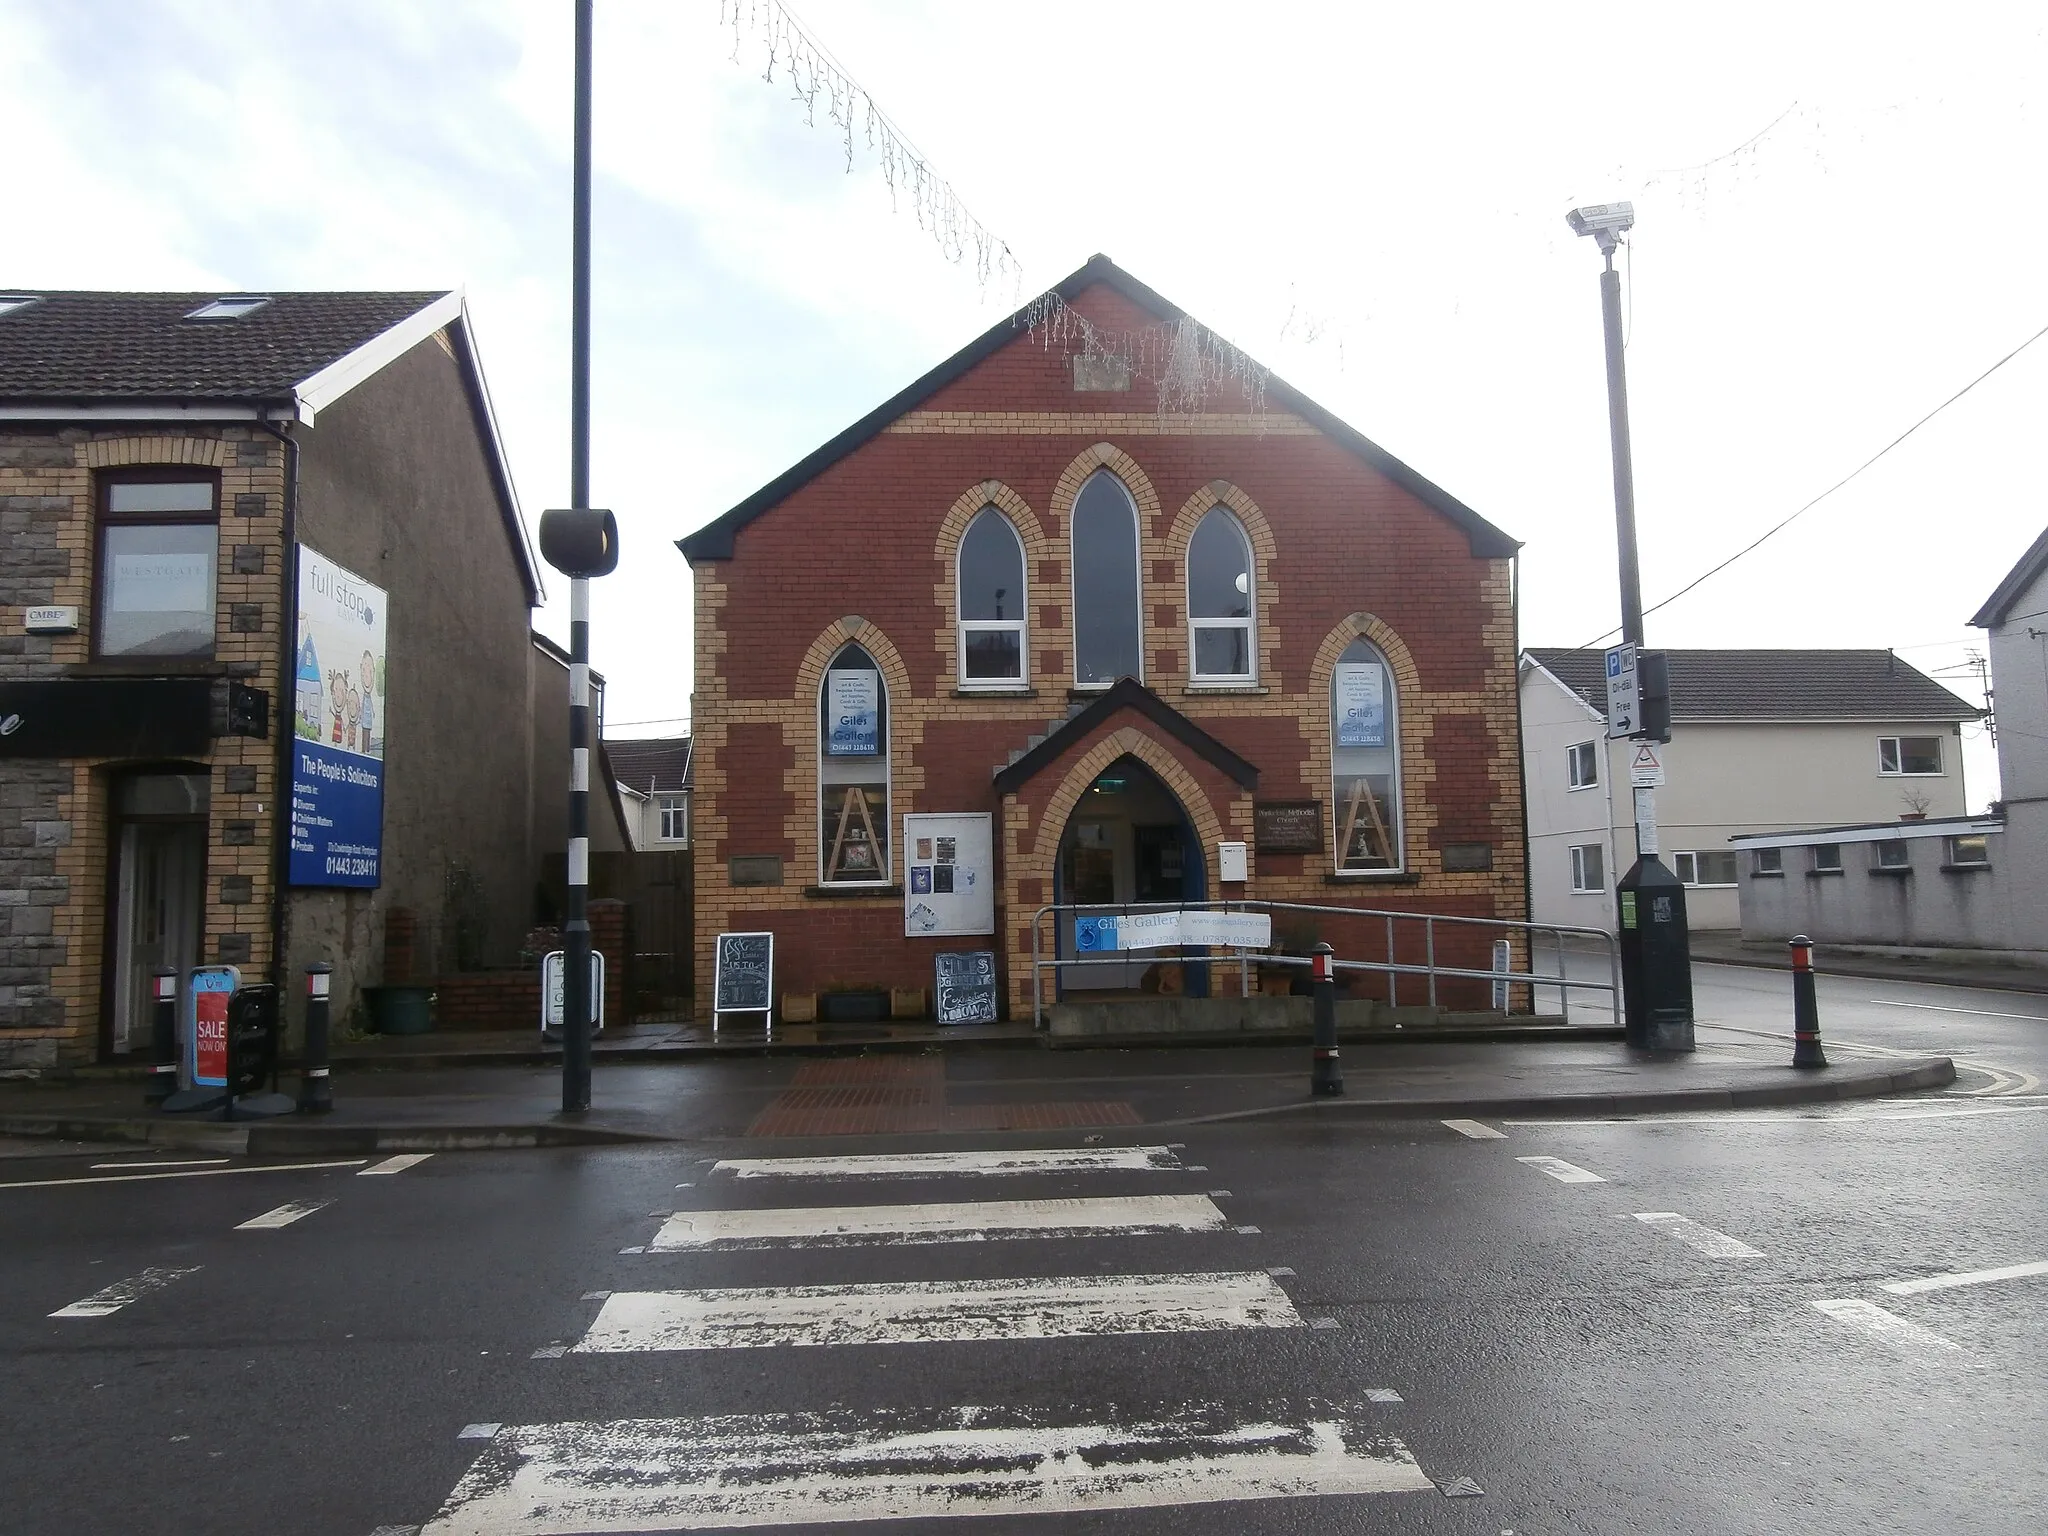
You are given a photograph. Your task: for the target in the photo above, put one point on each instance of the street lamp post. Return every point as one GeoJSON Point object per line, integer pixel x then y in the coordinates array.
{"type": "Point", "coordinates": [1656, 958]}
{"type": "Point", "coordinates": [581, 542]}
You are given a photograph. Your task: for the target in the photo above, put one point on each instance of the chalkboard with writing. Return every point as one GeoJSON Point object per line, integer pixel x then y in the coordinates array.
{"type": "Point", "coordinates": [966, 989]}
{"type": "Point", "coordinates": [745, 974]}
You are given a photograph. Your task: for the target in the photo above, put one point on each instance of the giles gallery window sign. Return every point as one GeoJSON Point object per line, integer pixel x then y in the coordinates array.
{"type": "Point", "coordinates": [338, 722]}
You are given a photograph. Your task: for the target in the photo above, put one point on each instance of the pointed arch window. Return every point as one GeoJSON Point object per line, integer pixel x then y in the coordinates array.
{"type": "Point", "coordinates": [853, 771]}
{"type": "Point", "coordinates": [1365, 762]}
{"type": "Point", "coordinates": [989, 588]}
{"type": "Point", "coordinates": [1220, 624]}
{"type": "Point", "coordinates": [1108, 635]}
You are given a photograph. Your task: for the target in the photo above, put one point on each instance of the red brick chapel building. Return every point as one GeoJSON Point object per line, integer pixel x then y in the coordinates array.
{"type": "Point", "coordinates": [1087, 604]}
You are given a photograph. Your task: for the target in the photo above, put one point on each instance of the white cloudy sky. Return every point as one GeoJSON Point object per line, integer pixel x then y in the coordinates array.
{"type": "Point", "coordinates": [1393, 178]}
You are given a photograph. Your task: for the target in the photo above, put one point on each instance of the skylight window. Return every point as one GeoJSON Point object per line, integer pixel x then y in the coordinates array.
{"type": "Point", "coordinates": [10, 302]}
{"type": "Point", "coordinates": [232, 307]}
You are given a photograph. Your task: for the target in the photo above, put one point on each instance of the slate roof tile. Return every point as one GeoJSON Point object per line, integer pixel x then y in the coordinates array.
{"type": "Point", "coordinates": [1776, 685]}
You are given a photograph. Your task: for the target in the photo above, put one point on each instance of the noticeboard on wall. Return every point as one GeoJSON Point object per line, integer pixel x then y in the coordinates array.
{"type": "Point", "coordinates": [339, 711]}
{"type": "Point", "coordinates": [949, 884]}
{"type": "Point", "coordinates": [966, 989]}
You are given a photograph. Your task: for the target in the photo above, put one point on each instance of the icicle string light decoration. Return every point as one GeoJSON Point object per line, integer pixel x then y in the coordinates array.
{"type": "Point", "coordinates": [815, 78]}
{"type": "Point", "coordinates": [1186, 362]}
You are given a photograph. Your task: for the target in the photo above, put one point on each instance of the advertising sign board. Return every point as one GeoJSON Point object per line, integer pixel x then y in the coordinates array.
{"type": "Point", "coordinates": [745, 973]}
{"type": "Point", "coordinates": [339, 712]}
{"type": "Point", "coordinates": [853, 699]}
{"type": "Point", "coordinates": [206, 1024]}
{"type": "Point", "coordinates": [1159, 930]}
{"type": "Point", "coordinates": [1624, 692]}
{"type": "Point", "coordinates": [1361, 704]}
{"type": "Point", "coordinates": [966, 990]}
{"type": "Point", "coordinates": [552, 971]}
{"type": "Point", "coordinates": [950, 869]}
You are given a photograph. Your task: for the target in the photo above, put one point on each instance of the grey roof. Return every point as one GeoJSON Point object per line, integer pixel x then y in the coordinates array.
{"type": "Point", "coordinates": [79, 346]}
{"type": "Point", "coordinates": [1775, 685]}
{"type": "Point", "coordinates": [714, 541]}
{"type": "Point", "coordinates": [2017, 580]}
{"type": "Point", "coordinates": [652, 765]}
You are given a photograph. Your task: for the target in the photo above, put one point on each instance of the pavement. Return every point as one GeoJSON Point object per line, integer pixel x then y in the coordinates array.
{"type": "Point", "coordinates": [478, 1107]}
{"type": "Point", "coordinates": [1983, 969]}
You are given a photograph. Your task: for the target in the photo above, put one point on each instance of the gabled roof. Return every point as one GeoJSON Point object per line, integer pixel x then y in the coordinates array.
{"type": "Point", "coordinates": [1775, 685]}
{"type": "Point", "coordinates": [71, 355]}
{"type": "Point", "coordinates": [2016, 582]}
{"type": "Point", "coordinates": [714, 541]}
{"type": "Point", "coordinates": [650, 765]}
{"type": "Point", "coordinates": [1126, 693]}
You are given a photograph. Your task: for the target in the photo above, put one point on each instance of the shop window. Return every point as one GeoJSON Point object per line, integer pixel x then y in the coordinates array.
{"type": "Point", "coordinates": [1220, 637]}
{"type": "Point", "coordinates": [1108, 634]}
{"type": "Point", "coordinates": [853, 772]}
{"type": "Point", "coordinates": [989, 583]}
{"type": "Point", "coordinates": [1589, 868]}
{"type": "Point", "coordinates": [1581, 765]}
{"type": "Point", "coordinates": [159, 544]}
{"type": "Point", "coordinates": [1766, 862]}
{"type": "Point", "coordinates": [1365, 738]}
{"type": "Point", "coordinates": [1909, 756]}
{"type": "Point", "coordinates": [1710, 866]}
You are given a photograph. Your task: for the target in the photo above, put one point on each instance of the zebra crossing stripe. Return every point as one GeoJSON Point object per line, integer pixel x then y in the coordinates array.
{"type": "Point", "coordinates": [803, 1470]}
{"type": "Point", "coordinates": [961, 1222]}
{"type": "Point", "coordinates": [925, 1165]}
{"type": "Point", "coordinates": [936, 1311]}
{"type": "Point", "coordinates": [122, 1292]}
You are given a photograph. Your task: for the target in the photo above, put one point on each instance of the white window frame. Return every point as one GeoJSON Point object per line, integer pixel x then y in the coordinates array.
{"type": "Point", "coordinates": [1249, 624]}
{"type": "Point", "coordinates": [1019, 626]}
{"type": "Point", "coordinates": [1968, 837]}
{"type": "Point", "coordinates": [1877, 851]}
{"type": "Point", "coordinates": [1767, 861]}
{"type": "Point", "coordinates": [1397, 827]}
{"type": "Point", "coordinates": [1690, 860]}
{"type": "Point", "coordinates": [676, 830]}
{"type": "Point", "coordinates": [1578, 853]}
{"type": "Point", "coordinates": [1898, 769]}
{"type": "Point", "coordinates": [1578, 752]}
{"type": "Point", "coordinates": [1814, 857]}
{"type": "Point", "coordinates": [883, 829]}
{"type": "Point", "coordinates": [1073, 574]}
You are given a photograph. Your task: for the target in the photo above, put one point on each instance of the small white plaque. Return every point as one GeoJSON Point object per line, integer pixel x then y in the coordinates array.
{"type": "Point", "coordinates": [1233, 862]}
{"type": "Point", "coordinates": [50, 620]}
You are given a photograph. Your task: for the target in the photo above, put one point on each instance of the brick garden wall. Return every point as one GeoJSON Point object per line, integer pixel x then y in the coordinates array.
{"type": "Point", "coordinates": [865, 552]}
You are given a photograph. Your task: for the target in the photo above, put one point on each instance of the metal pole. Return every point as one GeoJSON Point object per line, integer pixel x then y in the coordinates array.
{"type": "Point", "coordinates": [1325, 1077]}
{"type": "Point", "coordinates": [163, 1070]}
{"type": "Point", "coordinates": [1806, 1051]}
{"type": "Point", "coordinates": [1624, 465]}
{"type": "Point", "coordinates": [576, 927]}
{"type": "Point", "coordinates": [316, 1083]}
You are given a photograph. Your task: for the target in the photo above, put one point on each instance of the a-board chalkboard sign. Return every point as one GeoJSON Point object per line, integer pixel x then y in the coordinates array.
{"type": "Point", "coordinates": [745, 974]}
{"type": "Point", "coordinates": [967, 986]}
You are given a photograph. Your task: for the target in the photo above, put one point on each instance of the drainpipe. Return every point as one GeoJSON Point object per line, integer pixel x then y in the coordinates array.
{"type": "Point", "coordinates": [287, 693]}
{"type": "Point", "coordinates": [1522, 761]}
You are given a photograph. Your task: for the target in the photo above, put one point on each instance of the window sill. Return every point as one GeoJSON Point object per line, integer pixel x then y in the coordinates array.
{"type": "Point", "coordinates": [1767, 874]}
{"type": "Point", "coordinates": [1375, 877]}
{"type": "Point", "coordinates": [1018, 691]}
{"type": "Point", "coordinates": [852, 892]}
{"type": "Point", "coordinates": [1252, 688]}
{"type": "Point", "coordinates": [1573, 789]}
{"type": "Point", "coordinates": [143, 666]}
{"type": "Point", "coordinates": [1965, 869]}
{"type": "Point", "coordinates": [1823, 874]}
{"type": "Point", "coordinates": [1891, 871]}
{"type": "Point", "coordinates": [1939, 773]}
{"type": "Point", "coordinates": [1079, 692]}
{"type": "Point", "coordinates": [1712, 887]}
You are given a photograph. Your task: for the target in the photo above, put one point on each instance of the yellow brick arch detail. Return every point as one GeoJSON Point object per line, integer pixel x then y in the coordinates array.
{"type": "Point", "coordinates": [1128, 742]}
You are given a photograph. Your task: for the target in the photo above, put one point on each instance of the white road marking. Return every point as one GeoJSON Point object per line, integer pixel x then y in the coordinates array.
{"type": "Point", "coordinates": [122, 1292]}
{"type": "Point", "coordinates": [1562, 1171]}
{"type": "Point", "coordinates": [1981, 1013]}
{"type": "Point", "coordinates": [1921, 1345]}
{"type": "Point", "coordinates": [936, 1310]}
{"type": "Point", "coordinates": [1717, 1245]}
{"type": "Point", "coordinates": [283, 1216]}
{"type": "Point", "coordinates": [190, 1162]}
{"type": "Point", "coordinates": [398, 1164]}
{"type": "Point", "coordinates": [1949, 1282]}
{"type": "Point", "coordinates": [926, 1165]}
{"type": "Point", "coordinates": [801, 1471]}
{"type": "Point", "coordinates": [196, 1173]}
{"type": "Point", "coordinates": [479, 1431]}
{"type": "Point", "coordinates": [1476, 1130]}
{"type": "Point", "coordinates": [1382, 1395]}
{"type": "Point", "coordinates": [963, 1222]}
{"type": "Point", "coordinates": [1832, 1116]}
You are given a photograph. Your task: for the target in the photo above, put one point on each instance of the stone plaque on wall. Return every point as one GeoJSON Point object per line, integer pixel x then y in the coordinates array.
{"type": "Point", "coordinates": [1288, 826]}
{"type": "Point", "coordinates": [755, 869]}
{"type": "Point", "coordinates": [1466, 858]}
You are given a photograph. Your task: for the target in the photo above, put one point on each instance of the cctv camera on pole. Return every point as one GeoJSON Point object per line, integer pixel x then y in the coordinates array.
{"type": "Point", "coordinates": [1656, 949]}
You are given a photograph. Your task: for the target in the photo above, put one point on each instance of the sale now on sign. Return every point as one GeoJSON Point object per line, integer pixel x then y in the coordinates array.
{"type": "Point", "coordinates": [206, 1024]}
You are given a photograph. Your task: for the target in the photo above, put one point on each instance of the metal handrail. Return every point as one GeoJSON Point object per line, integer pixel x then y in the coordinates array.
{"type": "Point", "coordinates": [1389, 967]}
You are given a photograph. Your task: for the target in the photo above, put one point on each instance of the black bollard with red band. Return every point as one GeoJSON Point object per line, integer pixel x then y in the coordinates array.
{"type": "Point", "coordinates": [1806, 1051]}
{"type": "Point", "coordinates": [163, 1029]}
{"type": "Point", "coordinates": [1326, 1079]}
{"type": "Point", "coordinates": [316, 1086]}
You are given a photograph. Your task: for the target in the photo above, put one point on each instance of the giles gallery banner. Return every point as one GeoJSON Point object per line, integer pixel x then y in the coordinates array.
{"type": "Point", "coordinates": [338, 715]}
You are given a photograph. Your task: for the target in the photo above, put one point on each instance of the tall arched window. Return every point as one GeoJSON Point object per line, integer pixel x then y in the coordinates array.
{"type": "Point", "coordinates": [1365, 759]}
{"type": "Point", "coordinates": [989, 583]}
{"type": "Point", "coordinates": [853, 771]}
{"type": "Point", "coordinates": [1220, 639]}
{"type": "Point", "coordinates": [1109, 639]}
